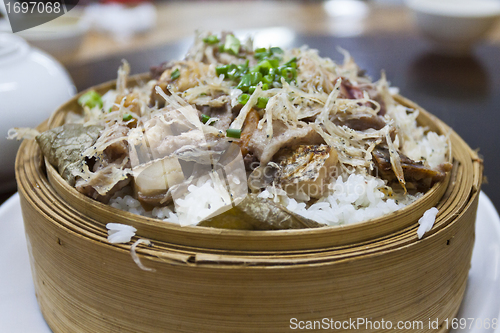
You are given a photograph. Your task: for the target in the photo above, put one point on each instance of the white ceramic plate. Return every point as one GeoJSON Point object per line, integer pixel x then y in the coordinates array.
{"type": "Point", "coordinates": [19, 312]}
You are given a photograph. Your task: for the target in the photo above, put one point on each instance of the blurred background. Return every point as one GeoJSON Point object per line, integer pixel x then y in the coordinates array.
{"type": "Point", "coordinates": [443, 54]}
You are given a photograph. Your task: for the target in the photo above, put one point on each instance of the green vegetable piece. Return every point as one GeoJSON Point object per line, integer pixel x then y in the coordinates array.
{"type": "Point", "coordinates": [204, 118]}
{"type": "Point", "coordinates": [255, 78]}
{"type": "Point", "coordinates": [291, 62]}
{"type": "Point", "coordinates": [251, 89]}
{"type": "Point", "coordinates": [274, 62]}
{"type": "Point", "coordinates": [232, 45]}
{"type": "Point", "coordinates": [261, 53]}
{"type": "Point", "coordinates": [219, 70]}
{"type": "Point", "coordinates": [90, 99]}
{"type": "Point", "coordinates": [276, 50]}
{"type": "Point", "coordinates": [263, 67]}
{"type": "Point", "coordinates": [232, 72]}
{"type": "Point", "coordinates": [245, 82]}
{"type": "Point", "coordinates": [127, 117]}
{"type": "Point", "coordinates": [265, 86]}
{"type": "Point", "coordinates": [243, 99]}
{"type": "Point", "coordinates": [266, 79]}
{"type": "Point", "coordinates": [233, 133]}
{"type": "Point", "coordinates": [289, 73]}
{"type": "Point", "coordinates": [212, 39]}
{"type": "Point", "coordinates": [175, 74]}
{"type": "Point", "coordinates": [262, 102]}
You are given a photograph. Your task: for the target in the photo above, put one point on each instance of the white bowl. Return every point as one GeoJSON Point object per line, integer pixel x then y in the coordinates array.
{"type": "Point", "coordinates": [32, 86]}
{"type": "Point", "coordinates": [455, 25]}
{"type": "Point", "coordinates": [60, 37]}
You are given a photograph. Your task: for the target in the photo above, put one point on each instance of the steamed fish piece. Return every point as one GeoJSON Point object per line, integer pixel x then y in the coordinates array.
{"type": "Point", "coordinates": [306, 171]}
{"type": "Point", "coordinates": [255, 213]}
{"type": "Point", "coordinates": [64, 146]}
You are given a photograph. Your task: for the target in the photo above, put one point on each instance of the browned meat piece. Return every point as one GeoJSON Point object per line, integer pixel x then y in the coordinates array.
{"type": "Point", "coordinates": [306, 171]}
{"type": "Point", "coordinates": [417, 176]}
{"type": "Point", "coordinates": [283, 137]}
{"type": "Point", "coordinates": [189, 74]}
{"type": "Point", "coordinates": [249, 127]}
{"type": "Point", "coordinates": [349, 91]}
{"type": "Point", "coordinates": [104, 168]}
{"type": "Point", "coordinates": [251, 162]}
{"type": "Point", "coordinates": [90, 191]}
{"type": "Point", "coordinates": [223, 113]}
{"type": "Point", "coordinates": [116, 152]}
{"type": "Point", "coordinates": [132, 101]}
{"type": "Point", "coordinates": [360, 123]}
{"type": "Point", "coordinates": [157, 71]}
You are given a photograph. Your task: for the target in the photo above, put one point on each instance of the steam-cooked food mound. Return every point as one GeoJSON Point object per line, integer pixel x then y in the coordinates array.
{"type": "Point", "coordinates": [237, 137]}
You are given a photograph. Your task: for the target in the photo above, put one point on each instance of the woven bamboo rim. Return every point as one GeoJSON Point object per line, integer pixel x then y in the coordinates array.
{"type": "Point", "coordinates": [85, 284]}
{"type": "Point", "coordinates": [243, 240]}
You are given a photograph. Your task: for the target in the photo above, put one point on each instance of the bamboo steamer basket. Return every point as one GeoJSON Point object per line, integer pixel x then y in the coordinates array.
{"type": "Point", "coordinates": [213, 280]}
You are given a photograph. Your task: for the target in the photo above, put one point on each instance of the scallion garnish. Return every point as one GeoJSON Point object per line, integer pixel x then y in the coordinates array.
{"type": "Point", "coordinates": [243, 99]}
{"type": "Point", "coordinates": [232, 45]}
{"type": "Point", "coordinates": [262, 102]}
{"type": "Point", "coordinates": [233, 133]}
{"type": "Point", "coordinates": [275, 50]}
{"type": "Point", "coordinates": [127, 117]}
{"type": "Point", "coordinates": [175, 74]}
{"type": "Point", "coordinates": [90, 99]}
{"type": "Point", "coordinates": [204, 118]}
{"type": "Point", "coordinates": [212, 39]}
{"type": "Point", "coordinates": [221, 70]}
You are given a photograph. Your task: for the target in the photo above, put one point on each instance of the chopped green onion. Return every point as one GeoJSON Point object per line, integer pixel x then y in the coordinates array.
{"type": "Point", "coordinates": [274, 62]}
{"type": "Point", "coordinates": [262, 102]}
{"type": "Point", "coordinates": [232, 45]}
{"type": "Point", "coordinates": [268, 78]}
{"type": "Point", "coordinates": [251, 89]}
{"type": "Point", "coordinates": [276, 50]}
{"type": "Point", "coordinates": [232, 71]}
{"type": "Point", "coordinates": [265, 86]}
{"type": "Point", "coordinates": [90, 99]}
{"type": "Point", "coordinates": [290, 62]}
{"type": "Point", "coordinates": [175, 74]}
{"type": "Point", "coordinates": [212, 39]}
{"type": "Point", "coordinates": [245, 82]}
{"type": "Point", "coordinates": [127, 117]}
{"type": "Point", "coordinates": [255, 78]}
{"type": "Point", "coordinates": [233, 133]}
{"type": "Point", "coordinates": [289, 73]}
{"type": "Point", "coordinates": [204, 118]}
{"type": "Point", "coordinates": [221, 70]}
{"type": "Point", "coordinates": [243, 99]}
{"type": "Point", "coordinates": [264, 66]}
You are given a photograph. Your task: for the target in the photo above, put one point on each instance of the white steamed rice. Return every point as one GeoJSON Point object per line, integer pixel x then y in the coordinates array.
{"type": "Point", "coordinates": [357, 199]}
